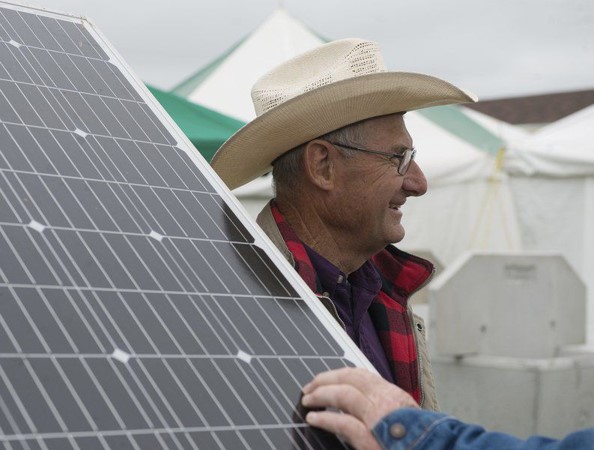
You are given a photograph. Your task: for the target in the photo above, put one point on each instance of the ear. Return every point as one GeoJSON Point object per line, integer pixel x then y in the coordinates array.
{"type": "Point", "coordinates": [319, 163]}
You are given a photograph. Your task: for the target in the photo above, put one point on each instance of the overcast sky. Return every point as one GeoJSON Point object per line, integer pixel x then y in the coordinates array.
{"type": "Point", "coordinates": [495, 48]}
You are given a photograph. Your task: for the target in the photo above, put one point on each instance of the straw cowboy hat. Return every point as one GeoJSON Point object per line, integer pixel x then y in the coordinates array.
{"type": "Point", "coordinates": [320, 91]}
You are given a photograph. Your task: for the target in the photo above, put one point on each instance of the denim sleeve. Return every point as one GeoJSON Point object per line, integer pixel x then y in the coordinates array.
{"type": "Point", "coordinates": [417, 429]}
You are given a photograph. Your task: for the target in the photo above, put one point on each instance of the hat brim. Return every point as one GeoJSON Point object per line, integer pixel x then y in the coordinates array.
{"type": "Point", "coordinates": [250, 151]}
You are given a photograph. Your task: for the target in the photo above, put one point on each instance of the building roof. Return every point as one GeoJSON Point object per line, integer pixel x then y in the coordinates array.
{"type": "Point", "coordinates": [535, 109]}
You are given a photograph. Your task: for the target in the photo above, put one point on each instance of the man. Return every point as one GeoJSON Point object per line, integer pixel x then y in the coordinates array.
{"type": "Point", "coordinates": [371, 405]}
{"type": "Point", "coordinates": [330, 125]}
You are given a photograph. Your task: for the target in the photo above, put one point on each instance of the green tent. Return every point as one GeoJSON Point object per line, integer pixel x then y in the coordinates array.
{"type": "Point", "coordinates": [205, 128]}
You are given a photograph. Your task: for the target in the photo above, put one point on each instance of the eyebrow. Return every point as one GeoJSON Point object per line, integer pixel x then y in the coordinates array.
{"type": "Point", "coordinates": [401, 148]}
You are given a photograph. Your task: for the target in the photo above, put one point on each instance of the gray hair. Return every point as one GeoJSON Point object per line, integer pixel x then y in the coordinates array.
{"type": "Point", "coordinates": [286, 169]}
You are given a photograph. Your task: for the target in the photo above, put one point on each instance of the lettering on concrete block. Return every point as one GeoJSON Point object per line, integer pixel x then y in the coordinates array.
{"type": "Point", "coordinates": [520, 272]}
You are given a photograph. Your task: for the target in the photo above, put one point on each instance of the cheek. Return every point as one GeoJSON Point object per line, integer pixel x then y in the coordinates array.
{"type": "Point", "coordinates": [370, 189]}
{"type": "Point", "coordinates": [377, 196]}
{"type": "Point", "coordinates": [389, 188]}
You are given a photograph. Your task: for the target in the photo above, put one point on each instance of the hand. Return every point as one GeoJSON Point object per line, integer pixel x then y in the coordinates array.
{"type": "Point", "coordinates": [363, 397]}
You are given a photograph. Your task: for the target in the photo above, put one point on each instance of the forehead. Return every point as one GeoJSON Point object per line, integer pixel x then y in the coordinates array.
{"type": "Point", "coordinates": [390, 127]}
{"type": "Point", "coordinates": [381, 122]}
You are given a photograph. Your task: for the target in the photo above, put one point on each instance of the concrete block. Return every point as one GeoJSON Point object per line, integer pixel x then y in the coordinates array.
{"type": "Point", "coordinates": [521, 305]}
{"type": "Point", "coordinates": [552, 396]}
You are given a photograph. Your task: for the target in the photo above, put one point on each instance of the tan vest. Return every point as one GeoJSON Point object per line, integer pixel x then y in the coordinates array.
{"type": "Point", "coordinates": [428, 396]}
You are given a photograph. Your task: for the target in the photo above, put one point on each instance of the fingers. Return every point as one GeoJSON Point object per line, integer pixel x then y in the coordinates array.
{"type": "Point", "coordinates": [364, 394]}
{"type": "Point", "coordinates": [361, 378]}
{"type": "Point", "coordinates": [347, 426]}
{"type": "Point", "coordinates": [342, 396]}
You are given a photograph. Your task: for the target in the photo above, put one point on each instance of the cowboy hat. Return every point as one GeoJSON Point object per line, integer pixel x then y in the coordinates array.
{"type": "Point", "coordinates": [322, 90]}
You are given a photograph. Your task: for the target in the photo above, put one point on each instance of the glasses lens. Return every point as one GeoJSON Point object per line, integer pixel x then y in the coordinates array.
{"type": "Point", "coordinates": [405, 162]}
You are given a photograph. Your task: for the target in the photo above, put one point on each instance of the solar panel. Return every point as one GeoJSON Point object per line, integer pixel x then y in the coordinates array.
{"type": "Point", "coordinates": [139, 306]}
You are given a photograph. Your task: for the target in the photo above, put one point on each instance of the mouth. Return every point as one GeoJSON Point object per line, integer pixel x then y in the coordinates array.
{"type": "Point", "coordinates": [396, 206]}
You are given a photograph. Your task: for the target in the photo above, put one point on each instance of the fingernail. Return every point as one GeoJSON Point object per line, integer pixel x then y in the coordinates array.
{"type": "Point", "coordinates": [306, 388]}
{"type": "Point", "coordinates": [305, 399]}
{"type": "Point", "coordinates": [311, 417]}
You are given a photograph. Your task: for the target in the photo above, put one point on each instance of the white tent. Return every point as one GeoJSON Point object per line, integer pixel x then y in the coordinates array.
{"type": "Point", "coordinates": [561, 149]}
{"type": "Point", "coordinates": [552, 178]}
{"type": "Point", "coordinates": [226, 83]}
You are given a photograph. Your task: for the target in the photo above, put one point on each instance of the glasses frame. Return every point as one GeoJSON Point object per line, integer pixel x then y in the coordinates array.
{"type": "Point", "coordinates": [404, 159]}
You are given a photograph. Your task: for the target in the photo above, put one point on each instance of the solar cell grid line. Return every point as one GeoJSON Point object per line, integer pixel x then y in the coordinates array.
{"type": "Point", "coordinates": [139, 305]}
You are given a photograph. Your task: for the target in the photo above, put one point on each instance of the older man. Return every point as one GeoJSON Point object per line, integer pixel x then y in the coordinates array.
{"type": "Point", "coordinates": [331, 126]}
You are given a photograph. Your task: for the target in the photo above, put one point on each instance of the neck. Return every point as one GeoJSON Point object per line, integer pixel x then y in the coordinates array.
{"type": "Point", "coordinates": [306, 218]}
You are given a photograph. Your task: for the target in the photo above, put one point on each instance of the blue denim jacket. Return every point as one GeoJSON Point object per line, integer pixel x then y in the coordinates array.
{"type": "Point", "coordinates": [417, 429]}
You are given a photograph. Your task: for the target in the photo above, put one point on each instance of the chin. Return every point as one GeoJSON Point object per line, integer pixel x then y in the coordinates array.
{"type": "Point", "coordinates": [396, 235]}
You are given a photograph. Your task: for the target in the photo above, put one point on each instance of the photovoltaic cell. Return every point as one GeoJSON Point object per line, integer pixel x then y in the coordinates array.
{"type": "Point", "coordinates": [137, 309]}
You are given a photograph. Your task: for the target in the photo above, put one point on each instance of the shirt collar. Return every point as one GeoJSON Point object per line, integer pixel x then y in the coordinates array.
{"type": "Point", "coordinates": [329, 276]}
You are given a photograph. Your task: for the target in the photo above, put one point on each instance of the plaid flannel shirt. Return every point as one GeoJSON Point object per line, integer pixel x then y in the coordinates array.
{"type": "Point", "coordinates": [401, 274]}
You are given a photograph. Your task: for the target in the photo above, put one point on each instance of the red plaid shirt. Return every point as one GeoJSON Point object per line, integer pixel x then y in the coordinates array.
{"type": "Point", "coordinates": [401, 274]}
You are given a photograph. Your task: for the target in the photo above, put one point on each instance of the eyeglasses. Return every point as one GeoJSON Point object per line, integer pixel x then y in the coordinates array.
{"type": "Point", "coordinates": [404, 159]}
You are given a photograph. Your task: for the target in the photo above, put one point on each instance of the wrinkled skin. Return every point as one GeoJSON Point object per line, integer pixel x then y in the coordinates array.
{"type": "Point", "coordinates": [362, 396]}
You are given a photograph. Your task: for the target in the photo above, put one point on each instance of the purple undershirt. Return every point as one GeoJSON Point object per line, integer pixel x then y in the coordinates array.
{"type": "Point", "coordinates": [352, 297]}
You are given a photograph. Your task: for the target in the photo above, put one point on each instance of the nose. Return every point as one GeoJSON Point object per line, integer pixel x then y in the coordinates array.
{"type": "Point", "coordinates": [414, 183]}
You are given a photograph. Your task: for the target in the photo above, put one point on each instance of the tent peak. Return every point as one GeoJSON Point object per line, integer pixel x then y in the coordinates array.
{"type": "Point", "coordinates": [218, 86]}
